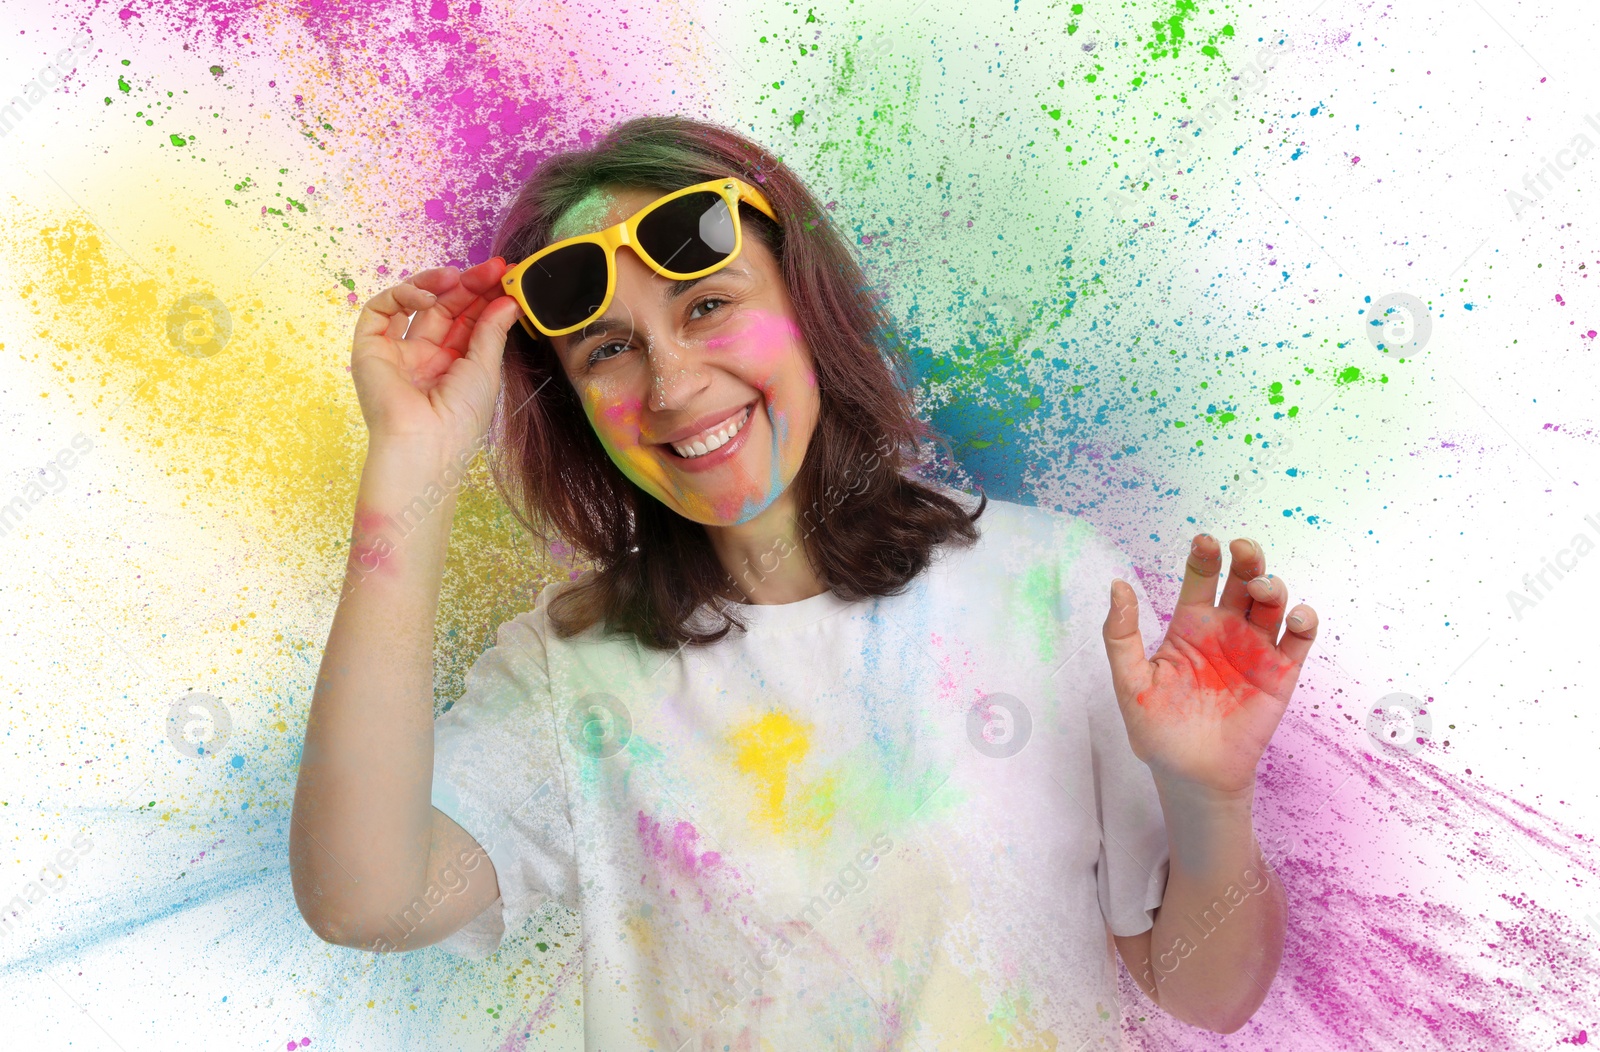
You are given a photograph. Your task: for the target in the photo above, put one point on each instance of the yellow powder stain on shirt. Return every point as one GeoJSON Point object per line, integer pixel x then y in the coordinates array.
{"type": "Point", "coordinates": [766, 749]}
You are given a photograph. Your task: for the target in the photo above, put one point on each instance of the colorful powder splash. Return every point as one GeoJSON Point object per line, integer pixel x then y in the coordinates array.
{"type": "Point", "coordinates": [1050, 204]}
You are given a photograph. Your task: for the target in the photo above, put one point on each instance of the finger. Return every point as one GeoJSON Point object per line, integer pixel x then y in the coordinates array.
{"type": "Point", "coordinates": [488, 343]}
{"type": "Point", "coordinates": [465, 325]}
{"type": "Point", "coordinates": [445, 283]}
{"type": "Point", "coordinates": [1201, 571]}
{"type": "Point", "coordinates": [378, 313]}
{"type": "Point", "coordinates": [1268, 595]}
{"type": "Point", "coordinates": [485, 276]}
{"type": "Point", "coordinates": [437, 280]}
{"type": "Point", "coordinates": [450, 326]}
{"type": "Point", "coordinates": [1247, 563]}
{"type": "Point", "coordinates": [1300, 632]}
{"type": "Point", "coordinates": [398, 326]}
{"type": "Point", "coordinates": [483, 281]}
{"type": "Point", "coordinates": [1124, 644]}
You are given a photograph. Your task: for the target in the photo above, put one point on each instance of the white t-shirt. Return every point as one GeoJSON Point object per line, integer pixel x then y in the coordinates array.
{"type": "Point", "coordinates": [903, 823]}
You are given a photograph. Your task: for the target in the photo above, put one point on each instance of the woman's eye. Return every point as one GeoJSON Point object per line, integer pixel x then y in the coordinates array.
{"type": "Point", "coordinates": [607, 350]}
{"type": "Point", "coordinates": [709, 300]}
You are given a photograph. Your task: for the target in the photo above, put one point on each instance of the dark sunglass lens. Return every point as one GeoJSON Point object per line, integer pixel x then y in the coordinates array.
{"type": "Point", "coordinates": [689, 233]}
{"type": "Point", "coordinates": [566, 287]}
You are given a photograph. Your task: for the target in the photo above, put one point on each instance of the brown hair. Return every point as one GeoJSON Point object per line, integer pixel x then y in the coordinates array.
{"type": "Point", "coordinates": [869, 528]}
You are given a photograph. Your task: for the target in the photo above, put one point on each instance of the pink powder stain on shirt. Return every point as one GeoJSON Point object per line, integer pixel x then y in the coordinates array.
{"type": "Point", "coordinates": [679, 848]}
{"type": "Point", "coordinates": [953, 671]}
{"type": "Point", "coordinates": [709, 877]}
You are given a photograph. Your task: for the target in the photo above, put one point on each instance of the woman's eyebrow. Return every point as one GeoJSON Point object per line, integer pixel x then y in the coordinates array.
{"type": "Point", "coordinates": [678, 288]}
{"type": "Point", "coordinates": [601, 327]}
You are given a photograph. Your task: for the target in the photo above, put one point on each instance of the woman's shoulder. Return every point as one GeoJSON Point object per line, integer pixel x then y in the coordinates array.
{"type": "Point", "coordinates": [532, 629]}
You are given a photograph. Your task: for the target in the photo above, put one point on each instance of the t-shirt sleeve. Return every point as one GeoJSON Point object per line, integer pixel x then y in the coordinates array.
{"type": "Point", "coordinates": [1132, 868]}
{"type": "Point", "coordinates": [497, 774]}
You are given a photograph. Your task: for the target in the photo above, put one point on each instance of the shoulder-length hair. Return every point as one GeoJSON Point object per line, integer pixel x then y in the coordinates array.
{"type": "Point", "coordinates": [867, 527]}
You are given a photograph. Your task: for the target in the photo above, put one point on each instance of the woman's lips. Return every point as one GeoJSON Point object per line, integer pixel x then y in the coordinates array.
{"type": "Point", "coordinates": [723, 453]}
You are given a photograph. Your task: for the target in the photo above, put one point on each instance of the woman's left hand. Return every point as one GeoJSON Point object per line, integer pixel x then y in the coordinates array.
{"type": "Point", "coordinates": [1203, 708]}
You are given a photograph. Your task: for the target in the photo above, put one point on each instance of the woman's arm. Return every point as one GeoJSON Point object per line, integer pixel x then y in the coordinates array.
{"type": "Point", "coordinates": [366, 844]}
{"type": "Point", "coordinates": [1200, 713]}
{"type": "Point", "coordinates": [1218, 936]}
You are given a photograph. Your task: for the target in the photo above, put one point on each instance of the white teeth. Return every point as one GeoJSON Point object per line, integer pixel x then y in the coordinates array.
{"type": "Point", "coordinates": [715, 440]}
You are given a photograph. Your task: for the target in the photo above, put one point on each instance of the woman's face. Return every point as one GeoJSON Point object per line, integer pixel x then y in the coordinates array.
{"type": "Point", "coordinates": [701, 391]}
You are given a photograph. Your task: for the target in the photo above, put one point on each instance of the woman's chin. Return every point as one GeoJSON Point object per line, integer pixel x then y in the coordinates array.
{"type": "Point", "coordinates": [721, 506]}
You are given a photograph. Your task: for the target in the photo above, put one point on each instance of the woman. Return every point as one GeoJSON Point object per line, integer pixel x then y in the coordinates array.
{"type": "Point", "coordinates": [819, 753]}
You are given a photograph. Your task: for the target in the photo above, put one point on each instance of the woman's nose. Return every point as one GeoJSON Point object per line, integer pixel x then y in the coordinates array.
{"type": "Point", "coordinates": [675, 373]}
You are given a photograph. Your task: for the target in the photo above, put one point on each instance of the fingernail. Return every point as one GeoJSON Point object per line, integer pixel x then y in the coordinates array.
{"type": "Point", "coordinates": [1297, 621]}
{"type": "Point", "coordinates": [1259, 587]}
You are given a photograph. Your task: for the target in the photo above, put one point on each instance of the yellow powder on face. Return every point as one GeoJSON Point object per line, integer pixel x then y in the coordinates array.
{"type": "Point", "coordinates": [640, 465]}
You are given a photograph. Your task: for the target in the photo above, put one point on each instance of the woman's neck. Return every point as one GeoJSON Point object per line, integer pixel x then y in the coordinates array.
{"type": "Point", "coordinates": [766, 556]}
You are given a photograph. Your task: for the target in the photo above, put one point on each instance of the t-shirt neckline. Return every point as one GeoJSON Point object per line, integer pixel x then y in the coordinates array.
{"type": "Point", "coordinates": [790, 615]}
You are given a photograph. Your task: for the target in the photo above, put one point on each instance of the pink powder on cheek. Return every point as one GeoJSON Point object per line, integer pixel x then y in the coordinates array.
{"type": "Point", "coordinates": [762, 336]}
{"type": "Point", "coordinates": [624, 412]}
{"type": "Point", "coordinates": [616, 419]}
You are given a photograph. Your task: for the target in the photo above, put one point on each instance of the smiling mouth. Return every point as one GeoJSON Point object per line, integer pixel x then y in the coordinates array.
{"type": "Point", "coordinates": [714, 437]}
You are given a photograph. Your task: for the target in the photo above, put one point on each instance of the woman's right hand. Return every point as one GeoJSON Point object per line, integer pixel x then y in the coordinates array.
{"type": "Point", "coordinates": [433, 376]}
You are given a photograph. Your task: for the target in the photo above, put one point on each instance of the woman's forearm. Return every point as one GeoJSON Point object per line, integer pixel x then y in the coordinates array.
{"type": "Point", "coordinates": [360, 838]}
{"type": "Point", "coordinates": [1218, 937]}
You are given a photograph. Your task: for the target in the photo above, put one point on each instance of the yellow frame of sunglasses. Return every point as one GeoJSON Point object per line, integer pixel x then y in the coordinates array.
{"type": "Point", "coordinates": [732, 189]}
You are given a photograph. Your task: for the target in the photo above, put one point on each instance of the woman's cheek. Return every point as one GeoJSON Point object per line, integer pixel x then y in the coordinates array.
{"type": "Point", "coordinates": [615, 419]}
{"type": "Point", "coordinates": [616, 423]}
{"type": "Point", "coordinates": [760, 338]}
{"type": "Point", "coordinates": [792, 394]}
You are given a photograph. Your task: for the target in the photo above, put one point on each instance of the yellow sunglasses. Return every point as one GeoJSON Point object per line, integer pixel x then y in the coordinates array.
{"type": "Point", "coordinates": [688, 233]}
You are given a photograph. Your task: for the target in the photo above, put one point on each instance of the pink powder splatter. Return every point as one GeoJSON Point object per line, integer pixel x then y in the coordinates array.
{"type": "Point", "coordinates": [1416, 921]}
{"type": "Point", "coordinates": [679, 849]}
